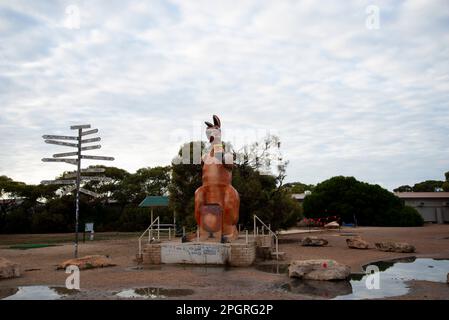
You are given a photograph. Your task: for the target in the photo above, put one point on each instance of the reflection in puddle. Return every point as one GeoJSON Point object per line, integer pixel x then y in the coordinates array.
{"type": "Point", "coordinates": [393, 277]}
{"type": "Point", "coordinates": [318, 289]}
{"type": "Point", "coordinates": [276, 268]}
{"type": "Point", "coordinates": [35, 293]}
{"type": "Point", "coordinates": [154, 293]}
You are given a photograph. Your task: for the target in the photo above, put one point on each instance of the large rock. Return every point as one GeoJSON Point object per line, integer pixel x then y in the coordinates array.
{"type": "Point", "coordinates": [318, 289]}
{"type": "Point", "coordinates": [314, 242]}
{"type": "Point", "coordinates": [9, 269]}
{"type": "Point", "coordinates": [319, 269]}
{"type": "Point", "coordinates": [357, 243]}
{"type": "Point", "coordinates": [332, 225]}
{"type": "Point", "coordinates": [88, 262]}
{"type": "Point", "coordinates": [390, 246]}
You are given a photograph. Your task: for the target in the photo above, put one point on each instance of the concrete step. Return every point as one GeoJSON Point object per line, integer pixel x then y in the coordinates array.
{"type": "Point", "coordinates": [279, 254]}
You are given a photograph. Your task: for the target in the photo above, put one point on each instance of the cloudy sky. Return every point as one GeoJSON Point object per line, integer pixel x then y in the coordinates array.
{"type": "Point", "coordinates": [347, 96]}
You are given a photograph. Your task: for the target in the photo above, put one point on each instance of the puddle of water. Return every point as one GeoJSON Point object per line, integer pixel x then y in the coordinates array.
{"type": "Point", "coordinates": [154, 293]}
{"type": "Point", "coordinates": [276, 268]}
{"type": "Point", "coordinates": [35, 293]}
{"type": "Point", "coordinates": [394, 275]}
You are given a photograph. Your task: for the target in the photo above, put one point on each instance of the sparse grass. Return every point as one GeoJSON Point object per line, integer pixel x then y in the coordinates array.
{"type": "Point", "coordinates": [59, 238]}
{"type": "Point", "coordinates": [27, 246]}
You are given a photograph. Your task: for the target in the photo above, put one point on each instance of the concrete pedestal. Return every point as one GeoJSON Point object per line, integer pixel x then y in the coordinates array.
{"type": "Point", "coordinates": [239, 254]}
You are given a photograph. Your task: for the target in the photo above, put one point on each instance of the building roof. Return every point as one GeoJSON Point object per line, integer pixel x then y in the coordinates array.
{"type": "Point", "coordinates": [154, 201]}
{"type": "Point", "coordinates": [422, 195]}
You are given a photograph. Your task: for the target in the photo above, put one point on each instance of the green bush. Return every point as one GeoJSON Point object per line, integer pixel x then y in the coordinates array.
{"type": "Point", "coordinates": [410, 217]}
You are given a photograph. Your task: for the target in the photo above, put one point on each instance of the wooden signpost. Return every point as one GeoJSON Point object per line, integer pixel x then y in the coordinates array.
{"type": "Point", "coordinates": [76, 183]}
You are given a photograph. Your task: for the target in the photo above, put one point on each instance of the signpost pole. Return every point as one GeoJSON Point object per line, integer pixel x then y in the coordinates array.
{"type": "Point", "coordinates": [77, 197]}
{"type": "Point", "coordinates": [76, 183]}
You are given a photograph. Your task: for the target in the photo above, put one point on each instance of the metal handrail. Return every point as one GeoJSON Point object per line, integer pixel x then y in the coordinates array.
{"type": "Point", "coordinates": [159, 229]}
{"type": "Point", "coordinates": [269, 230]}
{"type": "Point", "coordinates": [149, 234]}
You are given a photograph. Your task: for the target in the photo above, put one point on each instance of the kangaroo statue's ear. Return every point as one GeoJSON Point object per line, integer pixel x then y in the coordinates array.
{"type": "Point", "coordinates": [217, 121]}
{"type": "Point", "coordinates": [208, 124]}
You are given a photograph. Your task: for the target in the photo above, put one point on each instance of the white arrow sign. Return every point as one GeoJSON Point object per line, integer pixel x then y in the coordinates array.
{"type": "Point", "coordinates": [71, 161]}
{"type": "Point", "coordinates": [94, 178]}
{"type": "Point", "coordinates": [91, 140]}
{"type": "Point", "coordinates": [98, 158]}
{"type": "Point", "coordinates": [66, 154]}
{"type": "Point", "coordinates": [90, 193]}
{"type": "Point", "coordinates": [93, 170]}
{"type": "Point", "coordinates": [47, 136]}
{"type": "Point", "coordinates": [81, 126]}
{"type": "Point", "coordinates": [91, 147]}
{"type": "Point", "coordinates": [73, 174]}
{"type": "Point", "coordinates": [85, 133]}
{"type": "Point", "coordinates": [58, 182]}
{"type": "Point", "coordinates": [60, 143]}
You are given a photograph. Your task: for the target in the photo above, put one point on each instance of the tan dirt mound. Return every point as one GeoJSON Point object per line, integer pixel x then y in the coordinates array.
{"type": "Point", "coordinates": [88, 262]}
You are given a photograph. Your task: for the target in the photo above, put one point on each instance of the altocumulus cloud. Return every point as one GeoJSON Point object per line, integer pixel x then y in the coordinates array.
{"type": "Point", "coordinates": [345, 99]}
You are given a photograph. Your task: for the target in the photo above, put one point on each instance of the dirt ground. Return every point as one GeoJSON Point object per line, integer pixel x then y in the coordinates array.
{"type": "Point", "coordinates": [39, 265]}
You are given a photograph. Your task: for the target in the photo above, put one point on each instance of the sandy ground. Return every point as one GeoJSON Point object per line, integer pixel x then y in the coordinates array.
{"type": "Point", "coordinates": [39, 265]}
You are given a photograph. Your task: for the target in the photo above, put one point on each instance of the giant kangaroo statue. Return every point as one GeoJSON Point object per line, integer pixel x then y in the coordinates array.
{"type": "Point", "coordinates": [216, 201]}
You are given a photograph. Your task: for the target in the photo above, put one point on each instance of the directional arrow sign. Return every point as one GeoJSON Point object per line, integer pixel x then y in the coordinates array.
{"type": "Point", "coordinates": [91, 147]}
{"type": "Point", "coordinates": [91, 140]}
{"type": "Point", "coordinates": [98, 158]}
{"type": "Point", "coordinates": [90, 193]}
{"type": "Point", "coordinates": [66, 154]}
{"type": "Point", "coordinates": [70, 175]}
{"type": "Point", "coordinates": [85, 133]}
{"type": "Point", "coordinates": [58, 182]}
{"type": "Point", "coordinates": [81, 126]}
{"type": "Point", "coordinates": [71, 161]}
{"type": "Point", "coordinates": [94, 178]}
{"type": "Point", "coordinates": [47, 136]}
{"type": "Point", "coordinates": [62, 143]}
{"type": "Point", "coordinates": [93, 170]}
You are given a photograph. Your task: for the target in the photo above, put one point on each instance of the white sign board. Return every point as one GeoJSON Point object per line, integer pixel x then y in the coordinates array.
{"type": "Point", "coordinates": [89, 227]}
{"type": "Point", "coordinates": [194, 253]}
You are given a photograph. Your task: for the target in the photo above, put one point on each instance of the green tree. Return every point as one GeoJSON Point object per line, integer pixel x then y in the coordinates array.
{"type": "Point", "coordinates": [404, 188]}
{"type": "Point", "coordinates": [428, 186]}
{"type": "Point", "coordinates": [360, 202]}
{"type": "Point", "coordinates": [261, 193]}
{"type": "Point", "coordinates": [298, 187]}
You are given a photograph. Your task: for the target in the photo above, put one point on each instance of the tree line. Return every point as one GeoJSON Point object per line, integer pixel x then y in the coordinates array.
{"type": "Point", "coordinates": [427, 186]}
{"type": "Point", "coordinates": [27, 208]}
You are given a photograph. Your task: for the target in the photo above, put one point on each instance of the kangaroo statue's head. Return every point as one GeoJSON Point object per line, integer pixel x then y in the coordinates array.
{"type": "Point", "coordinates": [213, 131]}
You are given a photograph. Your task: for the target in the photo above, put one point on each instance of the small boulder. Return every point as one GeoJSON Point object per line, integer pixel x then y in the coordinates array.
{"type": "Point", "coordinates": [390, 246]}
{"type": "Point", "coordinates": [88, 262]}
{"type": "Point", "coordinates": [313, 242]}
{"type": "Point", "coordinates": [318, 269]}
{"type": "Point", "coordinates": [357, 243]}
{"type": "Point", "coordinates": [332, 225]}
{"type": "Point", "coordinates": [9, 269]}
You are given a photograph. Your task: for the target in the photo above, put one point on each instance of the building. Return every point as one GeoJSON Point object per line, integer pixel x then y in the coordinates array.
{"type": "Point", "coordinates": [433, 206]}
{"type": "Point", "coordinates": [301, 196]}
